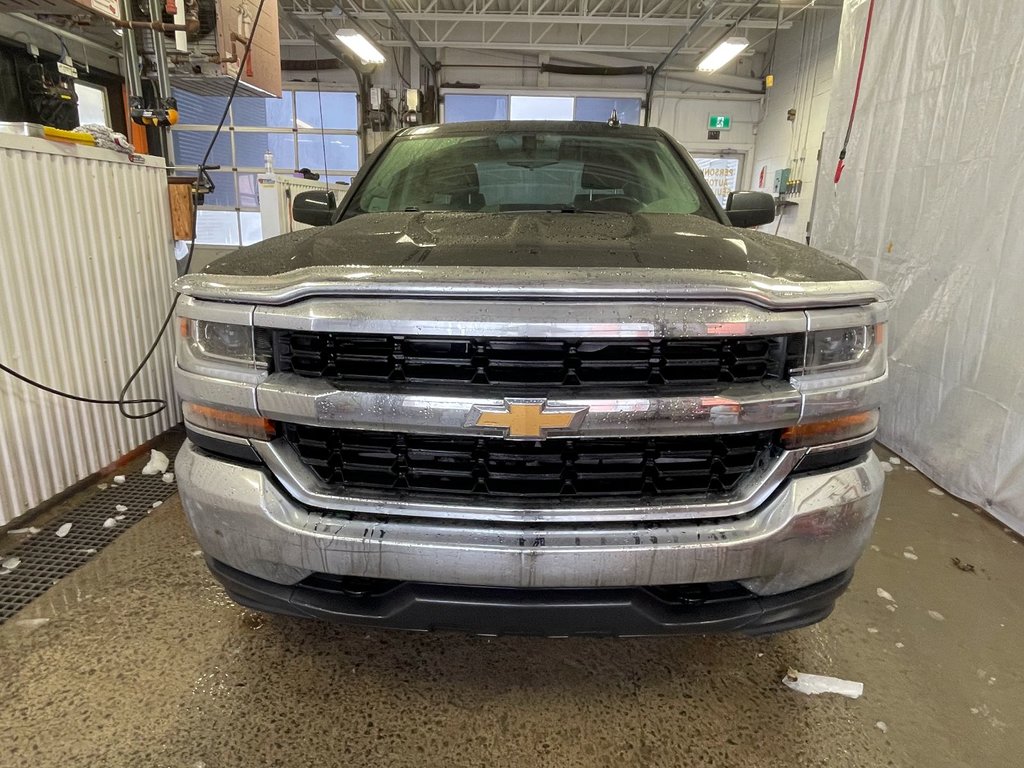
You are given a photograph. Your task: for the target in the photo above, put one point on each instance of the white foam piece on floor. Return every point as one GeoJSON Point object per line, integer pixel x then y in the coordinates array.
{"type": "Point", "coordinates": [894, 460]}
{"type": "Point", "coordinates": [158, 463]}
{"type": "Point", "coordinates": [10, 564]}
{"type": "Point", "coordinates": [63, 530]}
{"type": "Point", "coordinates": [119, 479]}
{"type": "Point", "coordinates": [910, 556]}
{"type": "Point", "coordinates": [120, 508]}
{"type": "Point", "coordinates": [20, 531]}
{"type": "Point", "coordinates": [882, 726]}
{"type": "Point", "coordinates": [886, 466]}
{"type": "Point", "coordinates": [936, 615]}
{"type": "Point", "coordinates": [813, 685]}
{"type": "Point", "coordinates": [109, 522]}
{"type": "Point", "coordinates": [936, 492]}
{"type": "Point", "coordinates": [885, 595]}
{"type": "Point", "coordinates": [168, 477]}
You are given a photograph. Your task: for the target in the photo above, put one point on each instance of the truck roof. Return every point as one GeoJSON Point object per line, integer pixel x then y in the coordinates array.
{"type": "Point", "coordinates": [569, 127]}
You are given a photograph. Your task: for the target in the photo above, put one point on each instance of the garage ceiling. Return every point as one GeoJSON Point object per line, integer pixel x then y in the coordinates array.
{"type": "Point", "coordinates": [642, 31]}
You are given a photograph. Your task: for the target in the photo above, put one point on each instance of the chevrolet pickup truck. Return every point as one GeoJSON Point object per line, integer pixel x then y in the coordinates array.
{"type": "Point", "coordinates": [530, 378]}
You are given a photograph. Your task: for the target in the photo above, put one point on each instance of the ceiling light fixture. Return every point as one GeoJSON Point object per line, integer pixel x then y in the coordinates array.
{"type": "Point", "coordinates": [722, 54]}
{"type": "Point", "coordinates": [360, 46]}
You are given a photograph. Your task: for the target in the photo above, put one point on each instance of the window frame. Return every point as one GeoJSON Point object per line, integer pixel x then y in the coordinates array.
{"type": "Point", "coordinates": [231, 130]}
{"type": "Point", "coordinates": [103, 94]}
{"type": "Point", "coordinates": [509, 93]}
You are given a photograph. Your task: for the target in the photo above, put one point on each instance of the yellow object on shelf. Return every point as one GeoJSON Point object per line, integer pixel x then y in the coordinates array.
{"type": "Point", "coordinates": [56, 134]}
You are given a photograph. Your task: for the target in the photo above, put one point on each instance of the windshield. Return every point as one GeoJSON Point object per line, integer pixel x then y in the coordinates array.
{"type": "Point", "coordinates": [530, 171]}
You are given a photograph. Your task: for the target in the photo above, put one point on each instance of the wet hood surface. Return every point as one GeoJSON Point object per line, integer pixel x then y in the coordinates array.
{"type": "Point", "coordinates": [549, 240]}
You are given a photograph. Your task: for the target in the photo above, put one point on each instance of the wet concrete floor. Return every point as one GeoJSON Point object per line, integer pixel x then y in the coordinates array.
{"type": "Point", "coordinates": [138, 659]}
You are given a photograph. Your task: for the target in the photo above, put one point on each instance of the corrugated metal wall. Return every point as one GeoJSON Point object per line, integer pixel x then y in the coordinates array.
{"type": "Point", "coordinates": [86, 263]}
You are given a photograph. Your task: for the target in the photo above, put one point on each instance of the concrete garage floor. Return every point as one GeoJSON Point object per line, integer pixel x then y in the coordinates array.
{"type": "Point", "coordinates": [144, 662]}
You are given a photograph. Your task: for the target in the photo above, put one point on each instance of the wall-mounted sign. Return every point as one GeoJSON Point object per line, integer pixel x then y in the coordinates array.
{"type": "Point", "coordinates": [110, 8]}
{"type": "Point", "coordinates": [719, 122]}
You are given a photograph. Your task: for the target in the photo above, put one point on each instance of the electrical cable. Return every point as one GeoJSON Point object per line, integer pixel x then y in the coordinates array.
{"type": "Point", "coordinates": [320, 105]}
{"type": "Point", "coordinates": [856, 95]}
{"type": "Point", "coordinates": [203, 171]}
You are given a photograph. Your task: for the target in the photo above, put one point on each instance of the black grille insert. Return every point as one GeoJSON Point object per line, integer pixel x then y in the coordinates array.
{"type": "Point", "coordinates": [694, 363]}
{"type": "Point", "coordinates": [564, 467]}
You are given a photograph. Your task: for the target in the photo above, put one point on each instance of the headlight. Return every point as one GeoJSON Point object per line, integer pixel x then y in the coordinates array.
{"type": "Point", "coordinates": [223, 343]}
{"type": "Point", "coordinates": [838, 348]}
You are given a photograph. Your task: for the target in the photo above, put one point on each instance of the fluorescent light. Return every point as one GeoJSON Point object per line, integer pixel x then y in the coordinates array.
{"type": "Point", "coordinates": [722, 54]}
{"type": "Point", "coordinates": [360, 46]}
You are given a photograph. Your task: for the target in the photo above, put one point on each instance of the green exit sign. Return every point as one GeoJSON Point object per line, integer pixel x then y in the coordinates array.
{"type": "Point", "coordinates": [719, 123]}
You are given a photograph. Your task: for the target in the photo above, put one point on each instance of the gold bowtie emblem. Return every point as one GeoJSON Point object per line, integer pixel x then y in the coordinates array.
{"type": "Point", "coordinates": [527, 418]}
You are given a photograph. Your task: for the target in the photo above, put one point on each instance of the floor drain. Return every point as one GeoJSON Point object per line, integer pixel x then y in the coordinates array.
{"type": "Point", "coordinates": [44, 558]}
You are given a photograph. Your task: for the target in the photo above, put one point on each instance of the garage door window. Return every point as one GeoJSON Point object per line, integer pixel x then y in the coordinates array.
{"type": "Point", "coordinates": [462, 108]}
{"type": "Point", "coordinates": [599, 109]}
{"type": "Point", "coordinates": [289, 127]}
{"type": "Point", "coordinates": [542, 107]}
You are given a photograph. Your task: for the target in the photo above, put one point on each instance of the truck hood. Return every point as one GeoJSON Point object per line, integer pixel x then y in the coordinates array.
{"type": "Point", "coordinates": [563, 256]}
{"type": "Point", "coordinates": [535, 240]}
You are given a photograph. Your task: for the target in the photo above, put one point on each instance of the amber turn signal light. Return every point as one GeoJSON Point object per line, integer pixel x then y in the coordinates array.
{"type": "Point", "coordinates": [831, 430]}
{"type": "Point", "coordinates": [229, 422]}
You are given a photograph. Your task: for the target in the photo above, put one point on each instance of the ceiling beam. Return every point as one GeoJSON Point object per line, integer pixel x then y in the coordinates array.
{"type": "Point", "coordinates": [540, 47]}
{"type": "Point", "coordinates": [699, 22]}
{"type": "Point", "coordinates": [326, 41]}
{"type": "Point", "coordinates": [541, 18]}
{"type": "Point", "coordinates": [399, 26]}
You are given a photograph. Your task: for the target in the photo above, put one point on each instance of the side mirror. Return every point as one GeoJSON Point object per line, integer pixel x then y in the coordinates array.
{"type": "Point", "coordinates": [748, 209]}
{"type": "Point", "coordinates": [315, 207]}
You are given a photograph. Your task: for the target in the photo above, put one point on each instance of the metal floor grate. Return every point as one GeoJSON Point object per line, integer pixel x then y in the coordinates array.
{"type": "Point", "coordinates": [46, 558]}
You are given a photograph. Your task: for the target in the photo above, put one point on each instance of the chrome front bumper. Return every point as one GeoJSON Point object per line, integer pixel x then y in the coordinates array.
{"type": "Point", "coordinates": [813, 527]}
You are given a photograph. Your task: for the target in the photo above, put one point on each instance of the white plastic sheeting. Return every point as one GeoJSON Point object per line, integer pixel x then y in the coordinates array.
{"type": "Point", "coordinates": [930, 204]}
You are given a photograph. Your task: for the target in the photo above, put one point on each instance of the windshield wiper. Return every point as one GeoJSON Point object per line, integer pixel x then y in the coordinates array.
{"type": "Point", "coordinates": [566, 209]}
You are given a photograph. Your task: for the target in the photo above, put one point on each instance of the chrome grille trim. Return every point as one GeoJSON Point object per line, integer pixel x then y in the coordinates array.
{"type": "Point", "coordinates": [317, 402]}
{"type": "Point", "coordinates": [304, 486]}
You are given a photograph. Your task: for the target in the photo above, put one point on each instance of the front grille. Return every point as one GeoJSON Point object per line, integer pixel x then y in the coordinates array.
{"type": "Point", "coordinates": [636, 467]}
{"type": "Point", "coordinates": [684, 363]}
